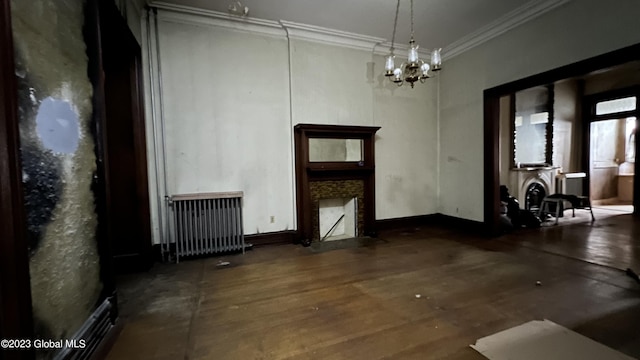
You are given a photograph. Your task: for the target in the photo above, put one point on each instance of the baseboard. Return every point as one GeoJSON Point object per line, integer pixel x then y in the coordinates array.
{"type": "Point", "coordinates": [453, 222]}
{"type": "Point", "coordinates": [405, 222]}
{"type": "Point", "coordinates": [131, 263]}
{"type": "Point", "coordinates": [289, 236]}
{"type": "Point", "coordinates": [252, 240]}
{"type": "Point", "coordinates": [271, 238]}
{"type": "Point", "coordinates": [463, 225]}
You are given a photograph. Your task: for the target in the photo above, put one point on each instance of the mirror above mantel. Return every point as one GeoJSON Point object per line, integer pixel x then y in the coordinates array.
{"type": "Point", "coordinates": [335, 150]}
{"type": "Point", "coordinates": [532, 123]}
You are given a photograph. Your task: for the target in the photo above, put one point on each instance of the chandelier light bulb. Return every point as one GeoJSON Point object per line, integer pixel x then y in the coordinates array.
{"type": "Point", "coordinates": [389, 65]}
{"type": "Point", "coordinates": [413, 53]}
{"type": "Point", "coordinates": [424, 68]}
{"type": "Point", "coordinates": [436, 59]}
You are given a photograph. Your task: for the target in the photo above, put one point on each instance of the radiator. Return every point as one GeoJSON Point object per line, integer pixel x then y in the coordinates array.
{"type": "Point", "coordinates": [83, 344]}
{"type": "Point", "coordinates": [207, 223]}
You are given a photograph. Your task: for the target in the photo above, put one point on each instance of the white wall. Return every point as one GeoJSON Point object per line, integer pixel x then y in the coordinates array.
{"type": "Point", "coordinates": [572, 32]}
{"type": "Point", "coordinates": [406, 146]}
{"type": "Point", "coordinates": [336, 85]}
{"type": "Point", "coordinates": [229, 118]}
{"type": "Point", "coordinates": [566, 152]}
{"type": "Point", "coordinates": [329, 84]}
{"type": "Point", "coordinates": [226, 110]}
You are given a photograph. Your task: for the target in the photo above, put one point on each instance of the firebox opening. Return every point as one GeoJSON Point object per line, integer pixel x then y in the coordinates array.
{"type": "Point", "coordinates": [534, 195]}
{"type": "Point", "coordinates": [338, 218]}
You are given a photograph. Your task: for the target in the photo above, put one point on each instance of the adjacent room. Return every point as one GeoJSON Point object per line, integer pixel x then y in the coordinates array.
{"type": "Point", "coordinates": [290, 179]}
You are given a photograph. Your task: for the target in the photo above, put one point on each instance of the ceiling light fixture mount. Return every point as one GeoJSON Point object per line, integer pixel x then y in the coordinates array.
{"type": "Point", "coordinates": [414, 68]}
{"type": "Point", "coordinates": [236, 8]}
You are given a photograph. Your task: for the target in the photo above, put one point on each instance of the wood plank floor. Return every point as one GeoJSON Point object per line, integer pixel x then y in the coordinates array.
{"type": "Point", "coordinates": [287, 302]}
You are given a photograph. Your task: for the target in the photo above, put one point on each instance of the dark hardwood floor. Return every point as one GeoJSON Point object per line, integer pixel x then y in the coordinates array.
{"type": "Point", "coordinates": [289, 302]}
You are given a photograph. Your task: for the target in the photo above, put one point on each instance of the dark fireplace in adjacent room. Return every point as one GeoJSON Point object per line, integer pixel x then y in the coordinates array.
{"type": "Point", "coordinates": [533, 196]}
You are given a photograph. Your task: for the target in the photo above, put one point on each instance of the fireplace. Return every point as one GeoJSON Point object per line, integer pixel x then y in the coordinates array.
{"type": "Point", "coordinates": [337, 218]}
{"type": "Point", "coordinates": [323, 192]}
{"type": "Point", "coordinates": [533, 196]}
{"type": "Point", "coordinates": [335, 182]}
{"type": "Point", "coordinates": [531, 185]}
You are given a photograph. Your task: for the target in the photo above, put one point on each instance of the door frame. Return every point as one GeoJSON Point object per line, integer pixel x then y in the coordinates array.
{"type": "Point", "coordinates": [589, 116]}
{"type": "Point", "coordinates": [491, 98]}
{"type": "Point", "coordinates": [16, 315]}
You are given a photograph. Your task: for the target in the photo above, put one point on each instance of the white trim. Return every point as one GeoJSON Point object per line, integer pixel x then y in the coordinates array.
{"type": "Point", "coordinates": [194, 16]}
{"type": "Point", "coordinates": [379, 46]}
{"type": "Point", "coordinates": [401, 50]}
{"type": "Point", "coordinates": [511, 20]}
{"type": "Point", "coordinates": [323, 35]}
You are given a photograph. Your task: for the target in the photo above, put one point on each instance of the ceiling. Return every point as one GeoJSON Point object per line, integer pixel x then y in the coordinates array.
{"type": "Point", "coordinates": [438, 23]}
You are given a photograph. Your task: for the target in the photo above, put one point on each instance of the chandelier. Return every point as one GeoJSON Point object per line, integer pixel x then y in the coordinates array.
{"type": "Point", "coordinates": [414, 68]}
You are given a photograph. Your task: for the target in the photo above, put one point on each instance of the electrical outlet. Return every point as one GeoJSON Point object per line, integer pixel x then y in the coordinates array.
{"type": "Point", "coordinates": [273, 219]}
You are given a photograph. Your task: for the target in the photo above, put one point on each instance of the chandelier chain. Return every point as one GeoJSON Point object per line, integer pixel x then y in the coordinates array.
{"type": "Point", "coordinates": [395, 26]}
{"type": "Point", "coordinates": [411, 20]}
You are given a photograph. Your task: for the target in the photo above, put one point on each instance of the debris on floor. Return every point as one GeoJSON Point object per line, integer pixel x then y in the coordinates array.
{"type": "Point", "coordinates": [223, 263]}
{"type": "Point", "coordinates": [538, 283]}
{"type": "Point", "coordinates": [418, 296]}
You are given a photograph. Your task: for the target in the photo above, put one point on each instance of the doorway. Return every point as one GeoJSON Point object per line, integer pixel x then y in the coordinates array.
{"type": "Point", "coordinates": [612, 148]}
{"type": "Point", "coordinates": [492, 126]}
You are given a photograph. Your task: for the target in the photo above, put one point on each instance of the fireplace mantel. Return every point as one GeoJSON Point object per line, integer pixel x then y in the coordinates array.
{"type": "Point", "coordinates": [339, 175]}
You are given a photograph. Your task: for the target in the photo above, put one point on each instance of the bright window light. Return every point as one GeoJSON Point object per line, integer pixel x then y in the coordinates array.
{"type": "Point", "coordinates": [616, 106]}
{"type": "Point", "coordinates": [539, 118]}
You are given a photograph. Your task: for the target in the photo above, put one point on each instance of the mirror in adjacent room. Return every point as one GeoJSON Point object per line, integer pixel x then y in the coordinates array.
{"type": "Point", "coordinates": [532, 125]}
{"type": "Point", "coordinates": [335, 150]}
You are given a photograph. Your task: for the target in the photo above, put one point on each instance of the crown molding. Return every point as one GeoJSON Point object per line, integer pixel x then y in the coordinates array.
{"type": "Point", "coordinates": [379, 46]}
{"type": "Point", "coordinates": [513, 19]}
{"type": "Point", "coordinates": [385, 47]}
{"type": "Point", "coordinates": [195, 16]}
{"type": "Point", "coordinates": [323, 35]}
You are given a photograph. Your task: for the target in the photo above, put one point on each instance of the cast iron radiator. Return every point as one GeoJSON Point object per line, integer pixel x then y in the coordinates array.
{"type": "Point", "coordinates": [207, 223]}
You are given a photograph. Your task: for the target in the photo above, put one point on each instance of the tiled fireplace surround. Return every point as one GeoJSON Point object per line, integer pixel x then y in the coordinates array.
{"type": "Point", "coordinates": [332, 189]}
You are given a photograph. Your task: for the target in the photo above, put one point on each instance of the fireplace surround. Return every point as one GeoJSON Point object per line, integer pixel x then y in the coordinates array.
{"type": "Point", "coordinates": [334, 173]}
{"type": "Point", "coordinates": [530, 185]}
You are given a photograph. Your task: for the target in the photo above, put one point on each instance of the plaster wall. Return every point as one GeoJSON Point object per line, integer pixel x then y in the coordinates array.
{"type": "Point", "coordinates": [226, 113]}
{"type": "Point", "coordinates": [230, 99]}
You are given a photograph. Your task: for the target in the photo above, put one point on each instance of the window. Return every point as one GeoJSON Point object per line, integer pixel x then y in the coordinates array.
{"type": "Point", "coordinates": [616, 106]}
{"type": "Point", "coordinates": [532, 119]}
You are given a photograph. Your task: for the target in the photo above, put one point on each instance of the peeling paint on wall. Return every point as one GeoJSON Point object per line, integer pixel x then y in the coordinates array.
{"type": "Point", "coordinates": [59, 163]}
